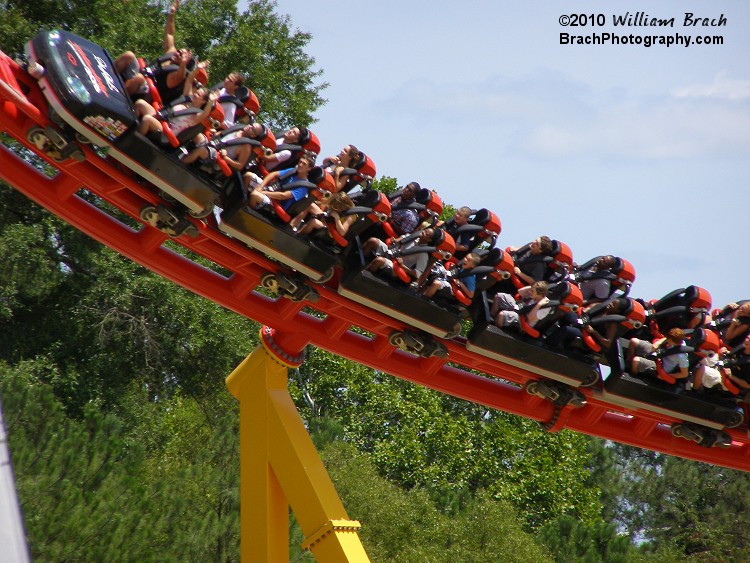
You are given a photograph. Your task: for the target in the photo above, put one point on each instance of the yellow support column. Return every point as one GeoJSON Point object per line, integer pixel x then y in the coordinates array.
{"type": "Point", "coordinates": [279, 467]}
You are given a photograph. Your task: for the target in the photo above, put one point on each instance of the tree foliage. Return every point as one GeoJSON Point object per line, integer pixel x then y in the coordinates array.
{"type": "Point", "coordinates": [407, 526]}
{"type": "Point", "coordinates": [572, 540]}
{"type": "Point", "coordinates": [129, 324]}
{"type": "Point", "coordinates": [698, 510]}
{"type": "Point", "coordinates": [418, 437]}
{"type": "Point", "coordinates": [158, 480]}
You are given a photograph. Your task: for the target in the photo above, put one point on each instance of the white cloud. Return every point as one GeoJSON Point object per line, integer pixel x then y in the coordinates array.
{"type": "Point", "coordinates": [551, 115]}
{"type": "Point", "coordinates": [722, 88]}
{"type": "Point", "coordinates": [648, 129]}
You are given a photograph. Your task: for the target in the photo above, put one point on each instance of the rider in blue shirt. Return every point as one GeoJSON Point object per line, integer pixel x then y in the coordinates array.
{"type": "Point", "coordinates": [262, 194]}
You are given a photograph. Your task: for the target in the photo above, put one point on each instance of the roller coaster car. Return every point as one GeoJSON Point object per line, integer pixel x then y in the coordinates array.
{"type": "Point", "coordinates": [315, 258]}
{"type": "Point", "coordinates": [652, 394]}
{"type": "Point", "coordinates": [575, 367]}
{"type": "Point", "coordinates": [269, 231]}
{"type": "Point", "coordinates": [89, 103]}
{"type": "Point", "coordinates": [396, 299]}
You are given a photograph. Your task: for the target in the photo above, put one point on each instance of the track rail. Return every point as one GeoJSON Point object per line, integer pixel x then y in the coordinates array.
{"type": "Point", "coordinates": [468, 376]}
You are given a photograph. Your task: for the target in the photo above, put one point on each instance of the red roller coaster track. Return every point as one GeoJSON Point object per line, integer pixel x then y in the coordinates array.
{"type": "Point", "coordinates": [499, 386]}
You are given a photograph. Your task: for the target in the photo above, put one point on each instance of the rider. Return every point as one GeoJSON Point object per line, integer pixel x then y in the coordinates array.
{"type": "Point", "coordinates": [169, 81]}
{"type": "Point", "coordinates": [529, 267]}
{"type": "Point", "coordinates": [532, 301]}
{"type": "Point", "coordinates": [228, 88]}
{"type": "Point", "coordinates": [675, 364]}
{"type": "Point", "coordinates": [260, 197]}
{"type": "Point", "coordinates": [405, 220]}
{"type": "Point", "coordinates": [414, 264]}
{"type": "Point", "coordinates": [465, 281]}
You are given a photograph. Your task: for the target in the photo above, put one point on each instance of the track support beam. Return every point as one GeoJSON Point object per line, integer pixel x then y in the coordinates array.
{"type": "Point", "coordinates": [279, 467]}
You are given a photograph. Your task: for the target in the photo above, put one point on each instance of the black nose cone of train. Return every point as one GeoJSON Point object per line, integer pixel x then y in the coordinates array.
{"type": "Point", "coordinates": [83, 79]}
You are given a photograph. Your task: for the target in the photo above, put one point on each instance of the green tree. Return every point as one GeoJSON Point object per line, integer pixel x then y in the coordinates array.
{"type": "Point", "coordinates": [572, 540]}
{"type": "Point", "coordinates": [192, 454]}
{"type": "Point", "coordinates": [385, 184]}
{"type": "Point", "coordinates": [418, 437]}
{"type": "Point", "coordinates": [77, 480]}
{"type": "Point", "coordinates": [699, 509]}
{"type": "Point", "coordinates": [130, 324]}
{"type": "Point", "coordinates": [159, 480]}
{"type": "Point", "coordinates": [406, 526]}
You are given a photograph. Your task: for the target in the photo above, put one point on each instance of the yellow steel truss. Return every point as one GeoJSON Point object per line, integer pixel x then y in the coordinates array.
{"type": "Point", "coordinates": [279, 468]}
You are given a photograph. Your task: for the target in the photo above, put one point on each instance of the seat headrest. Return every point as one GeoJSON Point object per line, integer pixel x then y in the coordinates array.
{"type": "Point", "coordinates": [267, 139]}
{"type": "Point", "coordinates": [438, 237]}
{"type": "Point", "coordinates": [316, 174]}
{"type": "Point", "coordinates": [699, 297]}
{"type": "Point", "coordinates": [480, 217]}
{"type": "Point", "coordinates": [365, 166]}
{"type": "Point", "coordinates": [242, 93]}
{"type": "Point", "coordinates": [561, 252]}
{"type": "Point", "coordinates": [251, 103]}
{"type": "Point", "coordinates": [422, 195]}
{"type": "Point", "coordinates": [444, 244]}
{"type": "Point", "coordinates": [493, 256]}
{"type": "Point", "coordinates": [309, 141]}
{"type": "Point", "coordinates": [488, 220]}
{"type": "Point", "coordinates": [322, 179]}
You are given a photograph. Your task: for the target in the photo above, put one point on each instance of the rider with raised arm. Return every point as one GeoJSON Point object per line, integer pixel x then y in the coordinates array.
{"type": "Point", "coordinates": [170, 79]}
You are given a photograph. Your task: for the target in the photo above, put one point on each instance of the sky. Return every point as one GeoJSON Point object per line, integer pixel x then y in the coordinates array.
{"type": "Point", "coordinates": [613, 149]}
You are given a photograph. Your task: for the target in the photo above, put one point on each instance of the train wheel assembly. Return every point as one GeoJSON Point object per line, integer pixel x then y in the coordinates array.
{"type": "Point", "coordinates": [53, 144]}
{"type": "Point", "coordinates": [455, 331]}
{"type": "Point", "coordinates": [701, 435]}
{"type": "Point", "coordinates": [289, 286]}
{"type": "Point", "coordinates": [419, 344]}
{"type": "Point", "coordinates": [167, 221]}
{"type": "Point", "coordinates": [558, 393]}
